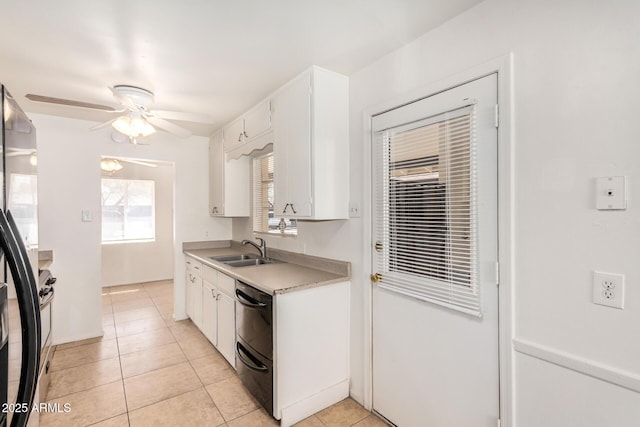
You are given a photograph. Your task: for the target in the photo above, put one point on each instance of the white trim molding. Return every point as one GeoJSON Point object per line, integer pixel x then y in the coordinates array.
{"type": "Point", "coordinates": [592, 368]}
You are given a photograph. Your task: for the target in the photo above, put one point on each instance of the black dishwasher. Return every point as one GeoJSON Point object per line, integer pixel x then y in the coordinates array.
{"type": "Point", "coordinates": [254, 344]}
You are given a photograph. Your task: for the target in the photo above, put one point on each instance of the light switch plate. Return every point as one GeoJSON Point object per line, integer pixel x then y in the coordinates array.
{"type": "Point", "coordinates": [354, 210]}
{"type": "Point", "coordinates": [611, 193]}
{"type": "Point", "coordinates": [86, 215]}
{"type": "Point", "coordinates": [608, 289]}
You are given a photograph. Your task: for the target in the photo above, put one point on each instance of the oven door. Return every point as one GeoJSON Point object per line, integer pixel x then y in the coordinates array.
{"type": "Point", "coordinates": [256, 373]}
{"type": "Point", "coordinates": [253, 319]}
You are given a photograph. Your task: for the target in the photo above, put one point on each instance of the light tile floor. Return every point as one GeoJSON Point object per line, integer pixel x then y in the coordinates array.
{"type": "Point", "coordinates": [149, 370]}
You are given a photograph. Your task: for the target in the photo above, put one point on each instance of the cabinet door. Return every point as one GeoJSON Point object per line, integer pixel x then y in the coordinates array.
{"type": "Point", "coordinates": [189, 293]}
{"type": "Point", "coordinates": [258, 120]}
{"type": "Point", "coordinates": [216, 175]}
{"type": "Point", "coordinates": [233, 134]}
{"type": "Point", "coordinates": [291, 122]}
{"type": "Point", "coordinates": [210, 312]}
{"type": "Point", "coordinates": [196, 301]}
{"type": "Point", "coordinates": [227, 328]}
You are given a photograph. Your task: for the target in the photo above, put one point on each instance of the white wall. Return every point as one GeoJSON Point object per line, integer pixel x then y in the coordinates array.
{"type": "Point", "coordinates": [69, 181]}
{"type": "Point", "coordinates": [576, 68]}
{"type": "Point", "coordinates": [137, 262]}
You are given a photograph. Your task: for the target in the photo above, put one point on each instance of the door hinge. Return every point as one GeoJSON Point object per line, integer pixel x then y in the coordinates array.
{"type": "Point", "coordinates": [497, 273]}
{"type": "Point", "coordinates": [496, 116]}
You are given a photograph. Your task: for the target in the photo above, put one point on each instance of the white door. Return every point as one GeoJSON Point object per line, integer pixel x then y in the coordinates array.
{"type": "Point", "coordinates": [435, 295]}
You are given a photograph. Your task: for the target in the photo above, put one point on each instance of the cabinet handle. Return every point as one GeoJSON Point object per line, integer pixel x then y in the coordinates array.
{"type": "Point", "coordinates": [293, 209]}
{"type": "Point", "coordinates": [245, 134]}
{"type": "Point", "coordinates": [213, 294]}
{"type": "Point", "coordinates": [239, 137]}
{"type": "Point", "coordinates": [285, 208]}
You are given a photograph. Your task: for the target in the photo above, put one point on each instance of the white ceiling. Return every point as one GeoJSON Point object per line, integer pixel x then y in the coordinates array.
{"type": "Point", "coordinates": [207, 56]}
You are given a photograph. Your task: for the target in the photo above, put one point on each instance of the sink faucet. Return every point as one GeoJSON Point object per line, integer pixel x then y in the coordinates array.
{"type": "Point", "coordinates": [262, 248]}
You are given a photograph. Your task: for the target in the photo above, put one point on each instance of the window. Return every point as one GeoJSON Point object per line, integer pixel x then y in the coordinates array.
{"type": "Point", "coordinates": [128, 210]}
{"type": "Point", "coordinates": [264, 220]}
{"type": "Point", "coordinates": [427, 210]}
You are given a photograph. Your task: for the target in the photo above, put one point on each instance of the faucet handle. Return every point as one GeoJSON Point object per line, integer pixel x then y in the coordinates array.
{"type": "Point", "coordinates": [261, 240]}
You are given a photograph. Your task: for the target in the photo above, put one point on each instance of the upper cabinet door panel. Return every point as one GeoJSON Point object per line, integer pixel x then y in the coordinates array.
{"type": "Point", "coordinates": [234, 134]}
{"type": "Point", "coordinates": [258, 120]}
{"type": "Point", "coordinates": [292, 149]}
{"type": "Point", "coordinates": [216, 175]}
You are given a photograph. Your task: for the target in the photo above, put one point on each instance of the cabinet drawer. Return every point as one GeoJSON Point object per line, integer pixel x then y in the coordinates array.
{"type": "Point", "coordinates": [226, 284]}
{"type": "Point", "coordinates": [193, 266]}
{"type": "Point", "coordinates": [209, 275]}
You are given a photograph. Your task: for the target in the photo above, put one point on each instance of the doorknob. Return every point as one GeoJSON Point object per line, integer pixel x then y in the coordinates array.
{"type": "Point", "coordinates": [376, 277]}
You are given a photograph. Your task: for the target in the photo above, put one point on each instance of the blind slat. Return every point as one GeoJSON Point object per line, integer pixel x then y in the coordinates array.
{"type": "Point", "coordinates": [426, 210]}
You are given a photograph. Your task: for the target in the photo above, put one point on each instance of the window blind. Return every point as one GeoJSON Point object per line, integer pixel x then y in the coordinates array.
{"type": "Point", "coordinates": [426, 220]}
{"type": "Point", "coordinates": [262, 192]}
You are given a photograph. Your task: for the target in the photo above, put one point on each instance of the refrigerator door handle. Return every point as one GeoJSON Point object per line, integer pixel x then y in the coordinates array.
{"type": "Point", "coordinates": [26, 292]}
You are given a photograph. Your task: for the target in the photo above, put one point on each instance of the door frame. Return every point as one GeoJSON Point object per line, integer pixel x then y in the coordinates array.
{"type": "Point", "coordinates": [503, 66]}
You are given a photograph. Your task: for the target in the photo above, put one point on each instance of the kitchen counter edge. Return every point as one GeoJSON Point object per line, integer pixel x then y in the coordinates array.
{"type": "Point", "coordinates": [269, 278]}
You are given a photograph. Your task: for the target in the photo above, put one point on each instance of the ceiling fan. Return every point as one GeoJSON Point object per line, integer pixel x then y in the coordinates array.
{"type": "Point", "coordinates": [137, 118]}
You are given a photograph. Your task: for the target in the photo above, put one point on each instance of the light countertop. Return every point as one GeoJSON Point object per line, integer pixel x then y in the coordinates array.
{"type": "Point", "coordinates": [276, 278]}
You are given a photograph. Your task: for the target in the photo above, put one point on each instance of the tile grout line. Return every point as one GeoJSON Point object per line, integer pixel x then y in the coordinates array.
{"type": "Point", "coordinates": [124, 390]}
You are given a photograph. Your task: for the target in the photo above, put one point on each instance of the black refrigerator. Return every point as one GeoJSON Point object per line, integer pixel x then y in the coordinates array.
{"type": "Point", "coordinates": [20, 328]}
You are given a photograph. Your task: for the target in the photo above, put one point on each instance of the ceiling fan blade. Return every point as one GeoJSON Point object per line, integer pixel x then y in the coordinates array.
{"type": "Point", "coordinates": [69, 102]}
{"type": "Point", "coordinates": [184, 117]}
{"type": "Point", "coordinates": [102, 125]}
{"type": "Point", "coordinates": [168, 126]}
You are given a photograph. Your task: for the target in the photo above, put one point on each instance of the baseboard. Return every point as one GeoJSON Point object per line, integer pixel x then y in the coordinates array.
{"type": "Point", "coordinates": [315, 403]}
{"type": "Point", "coordinates": [610, 374]}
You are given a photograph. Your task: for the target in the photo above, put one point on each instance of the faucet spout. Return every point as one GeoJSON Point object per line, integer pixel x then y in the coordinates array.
{"type": "Point", "coordinates": [262, 248]}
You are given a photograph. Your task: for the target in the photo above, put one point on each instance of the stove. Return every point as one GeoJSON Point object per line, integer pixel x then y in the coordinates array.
{"type": "Point", "coordinates": [46, 293]}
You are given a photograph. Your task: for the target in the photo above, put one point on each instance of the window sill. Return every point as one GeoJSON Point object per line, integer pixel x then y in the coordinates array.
{"type": "Point", "coordinates": [125, 242]}
{"type": "Point", "coordinates": [276, 234]}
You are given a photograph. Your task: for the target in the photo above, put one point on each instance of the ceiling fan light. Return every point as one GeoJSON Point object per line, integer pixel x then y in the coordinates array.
{"type": "Point", "coordinates": [133, 126]}
{"type": "Point", "coordinates": [123, 125]}
{"type": "Point", "coordinates": [140, 126]}
{"type": "Point", "coordinates": [110, 165]}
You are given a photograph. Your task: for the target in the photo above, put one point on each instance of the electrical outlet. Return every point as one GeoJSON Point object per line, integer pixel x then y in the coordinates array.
{"type": "Point", "coordinates": [608, 289]}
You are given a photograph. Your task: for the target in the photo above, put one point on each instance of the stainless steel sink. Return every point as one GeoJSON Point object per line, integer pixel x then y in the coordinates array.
{"type": "Point", "coordinates": [249, 262]}
{"type": "Point", "coordinates": [228, 258]}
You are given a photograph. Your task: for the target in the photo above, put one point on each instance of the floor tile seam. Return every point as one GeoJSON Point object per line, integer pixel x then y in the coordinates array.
{"type": "Point", "coordinates": [163, 400]}
{"type": "Point", "coordinates": [124, 390]}
{"type": "Point", "coordinates": [153, 370]}
{"type": "Point", "coordinates": [139, 332]}
{"type": "Point", "coordinates": [84, 391]}
{"type": "Point", "coordinates": [85, 364]}
{"type": "Point", "coordinates": [81, 364]}
{"type": "Point", "coordinates": [110, 418]}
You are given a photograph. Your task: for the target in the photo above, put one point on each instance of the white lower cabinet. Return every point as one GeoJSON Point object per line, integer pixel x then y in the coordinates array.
{"type": "Point", "coordinates": [194, 291]}
{"type": "Point", "coordinates": [227, 328]}
{"type": "Point", "coordinates": [310, 351]}
{"type": "Point", "coordinates": [211, 307]}
{"type": "Point", "coordinates": [210, 297]}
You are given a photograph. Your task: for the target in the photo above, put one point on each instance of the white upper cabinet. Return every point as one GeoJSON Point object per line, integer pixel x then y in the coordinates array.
{"type": "Point", "coordinates": [310, 143]}
{"type": "Point", "coordinates": [234, 134]}
{"type": "Point", "coordinates": [244, 134]}
{"type": "Point", "coordinates": [257, 121]}
{"type": "Point", "coordinates": [229, 187]}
